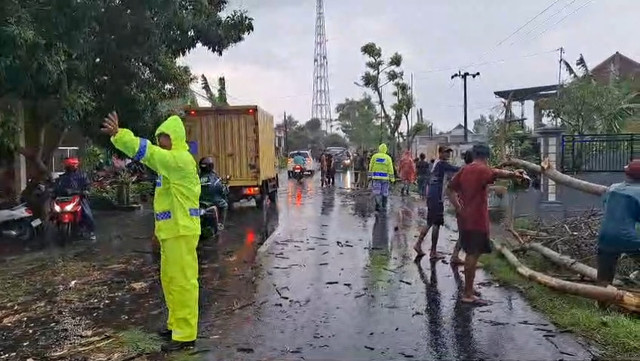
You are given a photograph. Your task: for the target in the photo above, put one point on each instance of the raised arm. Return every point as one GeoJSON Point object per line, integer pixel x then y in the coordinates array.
{"type": "Point", "coordinates": [141, 149]}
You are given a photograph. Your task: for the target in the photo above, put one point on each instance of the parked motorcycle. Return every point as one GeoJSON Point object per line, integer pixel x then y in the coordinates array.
{"type": "Point", "coordinates": [210, 224]}
{"type": "Point", "coordinates": [19, 223]}
{"type": "Point", "coordinates": [67, 214]}
{"type": "Point", "coordinates": [298, 173]}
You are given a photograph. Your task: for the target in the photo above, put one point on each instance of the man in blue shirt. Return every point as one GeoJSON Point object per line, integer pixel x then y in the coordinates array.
{"type": "Point", "coordinates": [435, 204]}
{"type": "Point", "coordinates": [618, 229]}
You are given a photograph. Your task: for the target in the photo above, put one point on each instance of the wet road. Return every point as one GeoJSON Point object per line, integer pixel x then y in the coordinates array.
{"type": "Point", "coordinates": [319, 276]}
{"type": "Point", "coordinates": [336, 282]}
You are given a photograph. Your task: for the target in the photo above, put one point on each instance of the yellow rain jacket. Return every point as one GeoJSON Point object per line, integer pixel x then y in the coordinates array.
{"type": "Point", "coordinates": [381, 165]}
{"type": "Point", "coordinates": [177, 216]}
{"type": "Point", "coordinates": [176, 200]}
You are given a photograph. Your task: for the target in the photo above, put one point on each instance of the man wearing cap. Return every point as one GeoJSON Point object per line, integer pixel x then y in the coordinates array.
{"type": "Point", "coordinates": [618, 229]}
{"type": "Point", "coordinates": [467, 192]}
{"type": "Point", "coordinates": [435, 205]}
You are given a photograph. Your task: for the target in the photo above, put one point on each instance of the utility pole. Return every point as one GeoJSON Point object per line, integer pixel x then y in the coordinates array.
{"type": "Point", "coordinates": [286, 135]}
{"type": "Point", "coordinates": [561, 50]}
{"type": "Point", "coordinates": [464, 77]}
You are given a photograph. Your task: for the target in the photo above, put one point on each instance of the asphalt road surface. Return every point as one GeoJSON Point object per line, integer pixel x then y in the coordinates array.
{"type": "Point", "coordinates": [335, 281]}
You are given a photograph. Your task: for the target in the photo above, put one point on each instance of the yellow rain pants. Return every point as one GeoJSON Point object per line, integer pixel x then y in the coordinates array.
{"type": "Point", "coordinates": [179, 277]}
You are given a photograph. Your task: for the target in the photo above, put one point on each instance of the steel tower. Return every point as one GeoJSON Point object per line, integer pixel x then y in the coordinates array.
{"type": "Point", "coordinates": [321, 104]}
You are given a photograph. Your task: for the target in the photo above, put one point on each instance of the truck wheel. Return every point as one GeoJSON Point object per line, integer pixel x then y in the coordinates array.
{"type": "Point", "coordinates": [259, 202]}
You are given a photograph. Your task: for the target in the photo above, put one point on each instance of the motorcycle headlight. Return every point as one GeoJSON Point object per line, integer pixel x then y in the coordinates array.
{"type": "Point", "coordinates": [56, 208]}
{"type": "Point", "coordinates": [69, 207]}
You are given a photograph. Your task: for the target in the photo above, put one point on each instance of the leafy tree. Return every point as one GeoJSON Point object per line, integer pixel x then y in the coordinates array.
{"type": "Point", "coordinates": [216, 99]}
{"type": "Point", "coordinates": [379, 73]}
{"type": "Point", "coordinates": [583, 106]}
{"type": "Point", "coordinates": [335, 140]}
{"type": "Point", "coordinates": [70, 62]}
{"type": "Point", "coordinates": [402, 107]}
{"type": "Point", "coordinates": [480, 125]}
{"type": "Point", "coordinates": [357, 121]}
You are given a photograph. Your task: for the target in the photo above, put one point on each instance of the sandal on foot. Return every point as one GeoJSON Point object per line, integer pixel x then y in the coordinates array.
{"type": "Point", "coordinates": [475, 301]}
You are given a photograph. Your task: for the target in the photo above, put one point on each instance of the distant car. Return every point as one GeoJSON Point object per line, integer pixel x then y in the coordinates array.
{"type": "Point", "coordinates": [341, 158]}
{"type": "Point", "coordinates": [309, 166]}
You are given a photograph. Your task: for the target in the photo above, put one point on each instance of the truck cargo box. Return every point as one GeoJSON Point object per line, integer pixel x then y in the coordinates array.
{"type": "Point", "coordinates": [241, 141]}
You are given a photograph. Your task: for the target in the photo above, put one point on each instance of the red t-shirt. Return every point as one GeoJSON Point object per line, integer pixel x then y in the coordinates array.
{"type": "Point", "coordinates": [471, 184]}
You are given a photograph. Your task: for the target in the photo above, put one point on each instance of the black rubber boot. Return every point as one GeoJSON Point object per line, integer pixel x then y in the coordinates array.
{"type": "Point", "coordinates": [165, 334]}
{"type": "Point", "coordinates": [172, 346]}
{"type": "Point", "coordinates": [384, 202]}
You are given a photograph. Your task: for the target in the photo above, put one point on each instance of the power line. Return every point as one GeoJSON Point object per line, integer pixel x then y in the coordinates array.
{"type": "Point", "coordinates": [498, 61]}
{"type": "Point", "coordinates": [564, 17]}
{"type": "Point", "coordinates": [527, 23]}
{"type": "Point", "coordinates": [482, 57]}
{"type": "Point", "coordinates": [545, 21]}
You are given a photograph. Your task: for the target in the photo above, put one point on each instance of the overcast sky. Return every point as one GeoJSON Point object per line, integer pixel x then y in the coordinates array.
{"type": "Point", "coordinates": [273, 67]}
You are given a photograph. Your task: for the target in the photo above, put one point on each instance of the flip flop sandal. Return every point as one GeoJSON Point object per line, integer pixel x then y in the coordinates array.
{"type": "Point", "coordinates": [437, 257]}
{"type": "Point", "coordinates": [477, 302]}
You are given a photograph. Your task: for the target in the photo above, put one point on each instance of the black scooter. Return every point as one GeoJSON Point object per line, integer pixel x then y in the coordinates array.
{"type": "Point", "coordinates": [210, 214]}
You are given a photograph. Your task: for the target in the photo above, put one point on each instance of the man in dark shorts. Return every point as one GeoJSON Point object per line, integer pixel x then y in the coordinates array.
{"type": "Point", "coordinates": [435, 204]}
{"type": "Point", "coordinates": [455, 256]}
{"type": "Point", "coordinates": [468, 194]}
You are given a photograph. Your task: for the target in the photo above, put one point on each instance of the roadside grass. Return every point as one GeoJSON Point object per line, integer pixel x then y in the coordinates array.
{"type": "Point", "coordinates": [615, 334]}
{"type": "Point", "coordinates": [138, 341]}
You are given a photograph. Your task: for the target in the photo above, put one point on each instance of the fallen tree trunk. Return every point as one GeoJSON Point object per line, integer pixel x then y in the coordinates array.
{"type": "Point", "coordinates": [568, 262]}
{"type": "Point", "coordinates": [547, 169]}
{"type": "Point", "coordinates": [609, 294]}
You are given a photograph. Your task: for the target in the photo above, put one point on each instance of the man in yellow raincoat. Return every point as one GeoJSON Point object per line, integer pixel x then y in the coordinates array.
{"type": "Point", "coordinates": [381, 173]}
{"type": "Point", "coordinates": [177, 225]}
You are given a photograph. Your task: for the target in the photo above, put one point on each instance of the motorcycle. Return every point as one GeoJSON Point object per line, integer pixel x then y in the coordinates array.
{"type": "Point", "coordinates": [67, 214]}
{"type": "Point", "coordinates": [210, 224]}
{"type": "Point", "coordinates": [19, 223]}
{"type": "Point", "coordinates": [298, 173]}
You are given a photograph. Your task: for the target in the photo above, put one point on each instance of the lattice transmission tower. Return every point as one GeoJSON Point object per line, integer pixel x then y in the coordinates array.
{"type": "Point", "coordinates": [321, 104]}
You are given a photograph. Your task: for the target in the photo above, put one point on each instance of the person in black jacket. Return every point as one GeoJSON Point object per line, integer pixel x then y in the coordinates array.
{"type": "Point", "coordinates": [423, 170]}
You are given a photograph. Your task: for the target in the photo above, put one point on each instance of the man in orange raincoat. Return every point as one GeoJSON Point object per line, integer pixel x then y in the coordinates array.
{"type": "Point", "coordinates": [407, 170]}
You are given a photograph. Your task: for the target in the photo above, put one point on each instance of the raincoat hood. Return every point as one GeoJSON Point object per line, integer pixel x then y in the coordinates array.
{"type": "Point", "coordinates": [382, 148]}
{"type": "Point", "coordinates": [174, 127]}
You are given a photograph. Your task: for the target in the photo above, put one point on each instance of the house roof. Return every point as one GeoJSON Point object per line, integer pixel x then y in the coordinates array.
{"type": "Point", "coordinates": [522, 94]}
{"type": "Point", "coordinates": [617, 65]}
{"type": "Point", "coordinates": [460, 126]}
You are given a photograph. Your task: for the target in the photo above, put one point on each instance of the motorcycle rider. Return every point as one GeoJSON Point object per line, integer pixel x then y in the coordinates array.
{"type": "Point", "coordinates": [73, 180]}
{"type": "Point", "coordinates": [298, 159]}
{"type": "Point", "coordinates": [212, 189]}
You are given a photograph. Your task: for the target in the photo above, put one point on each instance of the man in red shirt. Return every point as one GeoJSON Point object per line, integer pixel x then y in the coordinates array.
{"type": "Point", "coordinates": [467, 192]}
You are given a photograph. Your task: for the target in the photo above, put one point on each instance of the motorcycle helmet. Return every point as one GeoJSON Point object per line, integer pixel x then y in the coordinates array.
{"type": "Point", "coordinates": [206, 164]}
{"type": "Point", "coordinates": [71, 163]}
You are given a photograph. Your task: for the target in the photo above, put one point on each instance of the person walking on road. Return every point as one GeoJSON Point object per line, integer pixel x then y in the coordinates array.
{"type": "Point", "coordinates": [177, 225]}
{"type": "Point", "coordinates": [618, 231]}
{"type": "Point", "coordinates": [331, 170]}
{"type": "Point", "coordinates": [435, 203]}
{"type": "Point", "coordinates": [423, 169]}
{"type": "Point", "coordinates": [381, 172]}
{"type": "Point", "coordinates": [407, 170]}
{"type": "Point", "coordinates": [468, 193]}
{"type": "Point", "coordinates": [323, 169]}
{"type": "Point", "coordinates": [455, 256]}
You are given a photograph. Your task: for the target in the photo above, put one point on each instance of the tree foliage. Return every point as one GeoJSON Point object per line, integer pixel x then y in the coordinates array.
{"type": "Point", "coordinates": [70, 62]}
{"type": "Point", "coordinates": [215, 99]}
{"type": "Point", "coordinates": [357, 119]}
{"type": "Point", "coordinates": [309, 136]}
{"type": "Point", "coordinates": [380, 72]}
{"type": "Point", "coordinates": [508, 139]}
{"type": "Point", "coordinates": [584, 106]}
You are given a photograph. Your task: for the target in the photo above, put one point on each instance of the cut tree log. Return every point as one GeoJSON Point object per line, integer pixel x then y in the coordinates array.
{"type": "Point", "coordinates": [568, 262]}
{"type": "Point", "coordinates": [548, 170]}
{"type": "Point", "coordinates": [624, 299]}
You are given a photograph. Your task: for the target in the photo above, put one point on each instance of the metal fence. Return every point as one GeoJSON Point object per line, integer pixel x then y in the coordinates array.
{"type": "Point", "coordinates": [598, 152]}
